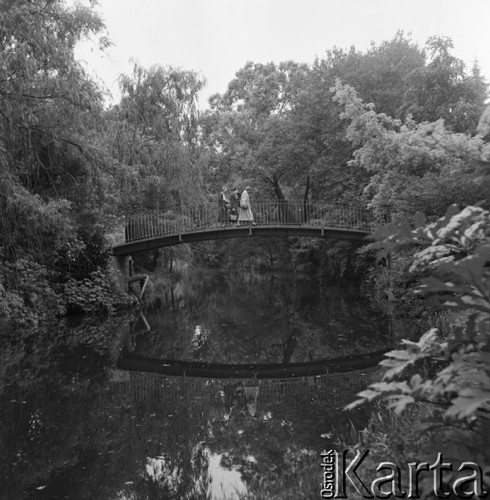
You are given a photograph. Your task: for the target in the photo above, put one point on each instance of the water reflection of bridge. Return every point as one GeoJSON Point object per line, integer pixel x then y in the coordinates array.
{"type": "Point", "coordinates": [150, 228]}
{"type": "Point", "coordinates": [133, 362]}
{"type": "Point", "coordinates": [338, 388]}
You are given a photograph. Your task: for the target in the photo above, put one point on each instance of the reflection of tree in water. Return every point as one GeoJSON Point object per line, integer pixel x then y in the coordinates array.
{"type": "Point", "coordinates": [45, 405]}
{"type": "Point", "coordinates": [173, 464]}
{"type": "Point", "coordinates": [264, 446]}
{"type": "Point", "coordinates": [78, 441]}
{"type": "Point", "coordinates": [69, 348]}
{"type": "Point", "coordinates": [285, 436]}
{"type": "Point", "coordinates": [240, 317]}
{"type": "Point", "coordinates": [149, 437]}
{"type": "Point", "coordinates": [65, 434]}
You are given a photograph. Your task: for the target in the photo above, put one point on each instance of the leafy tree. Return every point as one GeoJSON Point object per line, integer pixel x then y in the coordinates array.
{"type": "Point", "coordinates": [441, 89]}
{"type": "Point", "coordinates": [413, 167]}
{"type": "Point", "coordinates": [390, 76]}
{"type": "Point", "coordinates": [47, 106]}
{"type": "Point", "coordinates": [54, 173]}
{"type": "Point", "coordinates": [378, 75]}
{"type": "Point", "coordinates": [249, 130]}
{"type": "Point", "coordinates": [278, 124]}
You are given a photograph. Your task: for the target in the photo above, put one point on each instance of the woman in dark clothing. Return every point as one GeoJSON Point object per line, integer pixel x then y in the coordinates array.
{"type": "Point", "coordinates": [234, 205]}
{"type": "Point", "coordinates": [223, 204]}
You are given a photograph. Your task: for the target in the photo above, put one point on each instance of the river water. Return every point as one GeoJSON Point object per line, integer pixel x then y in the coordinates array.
{"type": "Point", "coordinates": [74, 424]}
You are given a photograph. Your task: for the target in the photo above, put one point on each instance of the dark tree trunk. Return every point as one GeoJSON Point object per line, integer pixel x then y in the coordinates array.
{"type": "Point", "coordinates": [277, 188]}
{"type": "Point", "coordinates": [306, 208]}
{"type": "Point", "coordinates": [282, 208]}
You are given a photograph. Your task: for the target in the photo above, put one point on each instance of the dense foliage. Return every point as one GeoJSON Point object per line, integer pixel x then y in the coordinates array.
{"type": "Point", "coordinates": [413, 166]}
{"type": "Point", "coordinates": [70, 168]}
{"type": "Point", "coordinates": [152, 137]}
{"type": "Point", "coordinates": [279, 126]}
{"type": "Point", "coordinates": [49, 116]}
{"type": "Point", "coordinates": [448, 371]}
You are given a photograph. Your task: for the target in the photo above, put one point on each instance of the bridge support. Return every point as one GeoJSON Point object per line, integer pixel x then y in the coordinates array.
{"type": "Point", "coordinates": [142, 279]}
{"type": "Point", "coordinates": [126, 276]}
{"type": "Point", "coordinates": [124, 264]}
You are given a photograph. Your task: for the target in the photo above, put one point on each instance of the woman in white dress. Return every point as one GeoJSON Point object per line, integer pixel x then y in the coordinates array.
{"type": "Point", "coordinates": [245, 214]}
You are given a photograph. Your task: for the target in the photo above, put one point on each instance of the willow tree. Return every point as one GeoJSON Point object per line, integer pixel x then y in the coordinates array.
{"type": "Point", "coordinates": [48, 110]}
{"type": "Point", "coordinates": [153, 136]}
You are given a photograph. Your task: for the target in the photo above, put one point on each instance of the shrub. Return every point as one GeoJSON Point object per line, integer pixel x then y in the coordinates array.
{"type": "Point", "coordinates": [26, 293]}
{"type": "Point", "coordinates": [94, 295]}
{"type": "Point", "coordinates": [81, 255]}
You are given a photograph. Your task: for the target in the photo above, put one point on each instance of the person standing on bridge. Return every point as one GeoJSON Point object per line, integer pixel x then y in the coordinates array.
{"type": "Point", "coordinates": [245, 214]}
{"type": "Point", "coordinates": [223, 205]}
{"type": "Point", "coordinates": [234, 205]}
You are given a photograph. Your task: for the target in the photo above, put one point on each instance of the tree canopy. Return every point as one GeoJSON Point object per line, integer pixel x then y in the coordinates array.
{"type": "Point", "coordinates": [152, 136]}
{"type": "Point", "coordinates": [279, 125]}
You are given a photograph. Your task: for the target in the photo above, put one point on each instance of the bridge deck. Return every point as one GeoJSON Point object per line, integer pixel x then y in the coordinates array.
{"type": "Point", "coordinates": [236, 232]}
{"type": "Point", "coordinates": [158, 228]}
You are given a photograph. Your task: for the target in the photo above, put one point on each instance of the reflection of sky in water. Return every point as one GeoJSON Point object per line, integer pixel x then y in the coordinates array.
{"type": "Point", "coordinates": [225, 483]}
{"type": "Point", "coordinates": [158, 470]}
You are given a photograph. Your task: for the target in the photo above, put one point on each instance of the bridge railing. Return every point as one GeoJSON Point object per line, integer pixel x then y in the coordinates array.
{"type": "Point", "coordinates": [184, 219]}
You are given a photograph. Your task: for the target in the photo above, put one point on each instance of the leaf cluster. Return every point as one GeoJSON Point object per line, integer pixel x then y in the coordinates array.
{"type": "Point", "coordinates": [453, 373]}
{"type": "Point", "coordinates": [94, 295]}
{"type": "Point", "coordinates": [412, 166]}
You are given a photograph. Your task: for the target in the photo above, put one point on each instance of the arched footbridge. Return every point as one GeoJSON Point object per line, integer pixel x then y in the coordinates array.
{"type": "Point", "coordinates": [152, 228]}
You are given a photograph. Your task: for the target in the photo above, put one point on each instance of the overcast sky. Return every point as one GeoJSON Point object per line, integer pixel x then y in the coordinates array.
{"type": "Point", "coordinates": [217, 37]}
